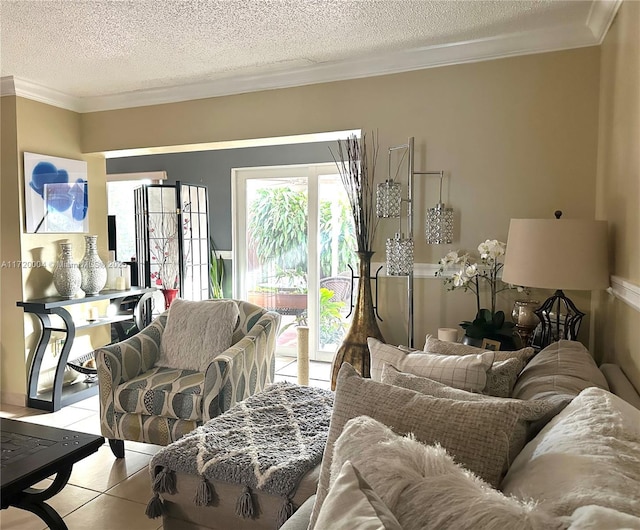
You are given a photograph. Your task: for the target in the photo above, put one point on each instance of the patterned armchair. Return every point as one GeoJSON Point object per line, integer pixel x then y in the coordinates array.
{"type": "Point", "coordinates": [146, 403]}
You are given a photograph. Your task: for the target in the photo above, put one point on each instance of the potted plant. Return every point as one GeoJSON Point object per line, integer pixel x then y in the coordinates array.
{"type": "Point", "coordinates": [163, 250]}
{"type": "Point", "coordinates": [470, 274]}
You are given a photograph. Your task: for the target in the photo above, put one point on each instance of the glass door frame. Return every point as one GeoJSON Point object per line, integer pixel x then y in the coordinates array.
{"type": "Point", "coordinates": [312, 173]}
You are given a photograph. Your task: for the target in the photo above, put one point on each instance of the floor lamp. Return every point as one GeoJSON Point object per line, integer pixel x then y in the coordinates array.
{"type": "Point", "coordinates": [400, 250]}
{"type": "Point", "coordinates": [557, 254]}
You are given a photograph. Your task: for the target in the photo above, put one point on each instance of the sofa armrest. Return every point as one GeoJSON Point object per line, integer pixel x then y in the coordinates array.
{"type": "Point", "coordinates": [243, 369]}
{"type": "Point", "coordinates": [300, 519]}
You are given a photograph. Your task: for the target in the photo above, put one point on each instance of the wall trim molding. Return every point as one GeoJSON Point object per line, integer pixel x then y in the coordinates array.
{"type": "Point", "coordinates": [626, 291]}
{"type": "Point", "coordinates": [420, 270]}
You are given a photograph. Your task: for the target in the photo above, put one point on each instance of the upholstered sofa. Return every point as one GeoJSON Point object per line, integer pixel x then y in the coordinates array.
{"type": "Point", "coordinates": [578, 468]}
{"type": "Point", "coordinates": [499, 439]}
{"type": "Point", "coordinates": [144, 402]}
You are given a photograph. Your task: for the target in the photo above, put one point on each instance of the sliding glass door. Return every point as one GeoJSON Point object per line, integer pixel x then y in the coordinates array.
{"type": "Point", "coordinates": [293, 242]}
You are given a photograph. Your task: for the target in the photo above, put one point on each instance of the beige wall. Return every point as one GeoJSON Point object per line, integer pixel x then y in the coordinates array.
{"type": "Point", "coordinates": [52, 131]}
{"type": "Point", "coordinates": [517, 138]}
{"type": "Point", "coordinates": [618, 185]}
{"type": "Point", "coordinates": [12, 370]}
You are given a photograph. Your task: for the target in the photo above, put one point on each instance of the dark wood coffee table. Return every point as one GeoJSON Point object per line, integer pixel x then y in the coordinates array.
{"type": "Point", "coordinates": [31, 453]}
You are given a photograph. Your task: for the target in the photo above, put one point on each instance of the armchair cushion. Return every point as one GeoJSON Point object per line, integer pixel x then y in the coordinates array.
{"type": "Point", "coordinates": [162, 392]}
{"type": "Point", "coordinates": [196, 332]}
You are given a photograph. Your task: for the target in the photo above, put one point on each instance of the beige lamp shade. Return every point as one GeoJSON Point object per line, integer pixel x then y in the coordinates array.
{"type": "Point", "coordinates": [568, 254]}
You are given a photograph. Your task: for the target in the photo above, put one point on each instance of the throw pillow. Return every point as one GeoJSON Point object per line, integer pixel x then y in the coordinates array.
{"type": "Point", "coordinates": [423, 486]}
{"type": "Point", "coordinates": [433, 345]}
{"type": "Point", "coordinates": [476, 433]}
{"type": "Point", "coordinates": [562, 368]}
{"type": "Point", "coordinates": [502, 377]}
{"type": "Point", "coordinates": [533, 415]}
{"type": "Point", "coordinates": [351, 503]}
{"type": "Point", "coordinates": [588, 454]}
{"type": "Point", "coordinates": [196, 332]}
{"type": "Point", "coordinates": [468, 372]}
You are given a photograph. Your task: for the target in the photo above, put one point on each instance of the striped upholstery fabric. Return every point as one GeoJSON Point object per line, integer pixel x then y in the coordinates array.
{"type": "Point", "coordinates": [146, 403]}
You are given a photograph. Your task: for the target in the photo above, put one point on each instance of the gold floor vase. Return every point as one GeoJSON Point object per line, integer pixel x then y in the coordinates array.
{"type": "Point", "coordinates": [354, 348]}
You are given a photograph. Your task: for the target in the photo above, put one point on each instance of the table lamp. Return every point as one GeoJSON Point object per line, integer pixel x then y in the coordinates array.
{"type": "Point", "coordinates": [557, 254]}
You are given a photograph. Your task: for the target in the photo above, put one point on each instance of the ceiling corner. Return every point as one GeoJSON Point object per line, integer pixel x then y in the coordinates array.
{"type": "Point", "coordinates": [29, 90]}
{"type": "Point", "coordinates": [7, 86]}
{"type": "Point", "coordinates": [601, 16]}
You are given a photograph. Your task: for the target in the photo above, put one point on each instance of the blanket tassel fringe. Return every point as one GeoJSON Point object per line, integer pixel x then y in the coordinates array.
{"type": "Point", "coordinates": [286, 511]}
{"type": "Point", "coordinates": [155, 507]}
{"type": "Point", "coordinates": [165, 482]}
{"type": "Point", "coordinates": [244, 504]}
{"type": "Point", "coordinates": [205, 493]}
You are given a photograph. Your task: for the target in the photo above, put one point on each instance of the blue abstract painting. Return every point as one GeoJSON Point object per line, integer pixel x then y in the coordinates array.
{"type": "Point", "coordinates": [56, 194]}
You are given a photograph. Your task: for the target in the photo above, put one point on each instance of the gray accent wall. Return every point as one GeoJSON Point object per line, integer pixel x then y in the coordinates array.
{"type": "Point", "coordinates": [213, 170]}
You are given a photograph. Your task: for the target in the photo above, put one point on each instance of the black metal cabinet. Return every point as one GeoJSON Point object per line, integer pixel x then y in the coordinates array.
{"type": "Point", "coordinates": [128, 306]}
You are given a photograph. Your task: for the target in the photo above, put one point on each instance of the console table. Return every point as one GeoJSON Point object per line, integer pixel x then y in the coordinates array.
{"type": "Point", "coordinates": [126, 306]}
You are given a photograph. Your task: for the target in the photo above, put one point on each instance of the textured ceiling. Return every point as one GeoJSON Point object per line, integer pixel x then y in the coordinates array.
{"type": "Point", "coordinates": [101, 48]}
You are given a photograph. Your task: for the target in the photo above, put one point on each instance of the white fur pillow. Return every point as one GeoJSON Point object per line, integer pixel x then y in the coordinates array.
{"type": "Point", "coordinates": [468, 372]}
{"type": "Point", "coordinates": [196, 332]}
{"type": "Point", "coordinates": [587, 454]}
{"type": "Point", "coordinates": [424, 488]}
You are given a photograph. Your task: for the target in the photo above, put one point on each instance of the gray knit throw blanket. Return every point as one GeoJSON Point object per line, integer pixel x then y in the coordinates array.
{"type": "Point", "coordinates": [268, 442]}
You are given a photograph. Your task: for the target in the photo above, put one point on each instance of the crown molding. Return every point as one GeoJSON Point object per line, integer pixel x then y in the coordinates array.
{"type": "Point", "coordinates": [591, 33]}
{"type": "Point", "coordinates": [601, 17]}
{"type": "Point", "coordinates": [14, 86]}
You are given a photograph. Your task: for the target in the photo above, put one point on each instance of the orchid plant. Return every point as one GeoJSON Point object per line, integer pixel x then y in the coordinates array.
{"type": "Point", "coordinates": [468, 275]}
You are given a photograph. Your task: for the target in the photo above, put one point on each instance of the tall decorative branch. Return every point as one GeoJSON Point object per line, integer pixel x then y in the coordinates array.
{"type": "Point", "coordinates": [357, 171]}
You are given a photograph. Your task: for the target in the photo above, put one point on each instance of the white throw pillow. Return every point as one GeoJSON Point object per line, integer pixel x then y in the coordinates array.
{"type": "Point", "coordinates": [588, 454]}
{"type": "Point", "coordinates": [196, 332]}
{"type": "Point", "coordinates": [468, 372]}
{"type": "Point", "coordinates": [352, 503]}
{"type": "Point", "coordinates": [424, 488]}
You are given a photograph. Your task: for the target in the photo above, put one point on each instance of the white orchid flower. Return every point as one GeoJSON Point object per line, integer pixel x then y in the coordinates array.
{"type": "Point", "coordinates": [491, 249]}
{"type": "Point", "coordinates": [470, 271]}
{"type": "Point", "coordinates": [450, 259]}
{"type": "Point", "coordinates": [458, 279]}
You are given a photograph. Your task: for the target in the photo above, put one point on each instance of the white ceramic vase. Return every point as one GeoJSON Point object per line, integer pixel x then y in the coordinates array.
{"type": "Point", "coordinates": [66, 274]}
{"type": "Point", "coordinates": [92, 268]}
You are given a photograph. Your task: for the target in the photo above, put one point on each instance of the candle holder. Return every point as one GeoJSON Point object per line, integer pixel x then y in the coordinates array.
{"type": "Point", "coordinates": [525, 318]}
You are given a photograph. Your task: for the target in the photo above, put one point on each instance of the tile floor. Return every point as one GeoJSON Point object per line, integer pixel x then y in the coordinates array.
{"type": "Point", "coordinates": [109, 493]}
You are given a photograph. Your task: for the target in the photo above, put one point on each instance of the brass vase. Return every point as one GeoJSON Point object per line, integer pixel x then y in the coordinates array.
{"type": "Point", "coordinates": [354, 349]}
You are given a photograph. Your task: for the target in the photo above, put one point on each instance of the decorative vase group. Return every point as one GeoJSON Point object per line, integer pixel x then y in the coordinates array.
{"type": "Point", "coordinates": [90, 275]}
{"type": "Point", "coordinates": [354, 349]}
